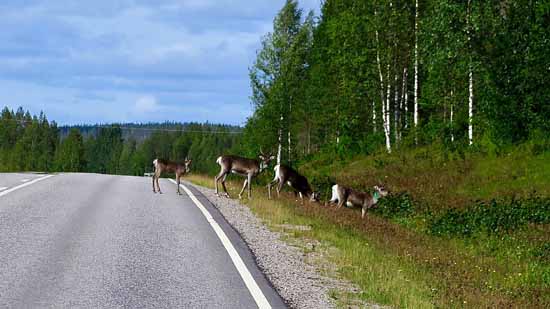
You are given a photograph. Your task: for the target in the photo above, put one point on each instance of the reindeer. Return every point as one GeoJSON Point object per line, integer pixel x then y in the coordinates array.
{"type": "Point", "coordinates": [350, 197]}
{"type": "Point", "coordinates": [286, 174]}
{"type": "Point", "coordinates": [162, 165]}
{"type": "Point", "coordinates": [248, 168]}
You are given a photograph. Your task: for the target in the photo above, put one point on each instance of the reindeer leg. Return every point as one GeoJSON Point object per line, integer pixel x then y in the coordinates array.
{"type": "Point", "coordinates": [178, 176]}
{"type": "Point", "coordinates": [217, 179]}
{"type": "Point", "coordinates": [342, 201]}
{"type": "Point", "coordinates": [154, 189]}
{"type": "Point", "coordinates": [158, 185]}
{"type": "Point", "coordinates": [249, 186]}
{"type": "Point", "coordinates": [343, 196]}
{"type": "Point", "coordinates": [216, 183]}
{"type": "Point", "coordinates": [242, 190]}
{"type": "Point", "coordinates": [223, 185]}
{"type": "Point", "coordinates": [301, 198]}
{"type": "Point", "coordinates": [279, 188]}
{"type": "Point", "coordinates": [156, 177]}
{"type": "Point", "coordinates": [366, 206]}
{"type": "Point", "coordinates": [274, 181]}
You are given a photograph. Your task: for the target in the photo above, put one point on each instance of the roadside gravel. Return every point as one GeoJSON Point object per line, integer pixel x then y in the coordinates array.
{"type": "Point", "coordinates": [298, 282]}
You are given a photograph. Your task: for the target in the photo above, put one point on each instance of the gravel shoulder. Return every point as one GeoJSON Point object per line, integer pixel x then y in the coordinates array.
{"type": "Point", "coordinates": [298, 280]}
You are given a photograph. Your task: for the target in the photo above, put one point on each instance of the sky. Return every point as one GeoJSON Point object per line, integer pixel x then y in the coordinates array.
{"type": "Point", "coordinates": [133, 60]}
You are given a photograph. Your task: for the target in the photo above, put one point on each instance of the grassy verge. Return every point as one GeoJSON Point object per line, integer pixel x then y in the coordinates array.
{"type": "Point", "coordinates": [382, 276]}
{"type": "Point", "coordinates": [440, 240]}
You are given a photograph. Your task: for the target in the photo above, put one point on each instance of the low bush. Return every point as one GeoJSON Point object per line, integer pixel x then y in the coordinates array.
{"type": "Point", "coordinates": [542, 252]}
{"type": "Point", "coordinates": [493, 217]}
{"type": "Point", "coordinates": [395, 205]}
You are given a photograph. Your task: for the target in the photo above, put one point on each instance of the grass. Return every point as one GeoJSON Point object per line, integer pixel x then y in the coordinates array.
{"type": "Point", "coordinates": [382, 277]}
{"type": "Point", "coordinates": [394, 260]}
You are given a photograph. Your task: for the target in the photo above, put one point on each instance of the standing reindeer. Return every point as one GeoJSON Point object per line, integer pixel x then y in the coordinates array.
{"type": "Point", "coordinates": [248, 168]}
{"type": "Point", "coordinates": [350, 197]}
{"type": "Point", "coordinates": [286, 174]}
{"type": "Point", "coordinates": [162, 165]}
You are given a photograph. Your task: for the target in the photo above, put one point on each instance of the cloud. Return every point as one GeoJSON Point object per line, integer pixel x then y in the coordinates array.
{"type": "Point", "coordinates": [146, 104]}
{"type": "Point", "coordinates": [106, 60]}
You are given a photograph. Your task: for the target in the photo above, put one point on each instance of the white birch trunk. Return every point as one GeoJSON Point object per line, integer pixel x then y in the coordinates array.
{"type": "Point", "coordinates": [373, 116]}
{"type": "Point", "coordinates": [289, 139]}
{"type": "Point", "coordinates": [396, 108]}
{"type": "Point", "coordinates": [471, 80]}
{"type": "Point", "coordinates": [416, 65]}
{"type": "Point", "coordinates": [405, 96]}
{"type": "Point", "coordinates": [471, 106]}
{"type": "Point", "coordinates": [280, 148]}
{"type": "Point", "coordinates": [387, 115]}
{"type": "Point", "coordinates": [289, 146]}
{"type": "Point", "coordinates": [452, 114]}
{"type": "Point", "coordinates": [382, 97]}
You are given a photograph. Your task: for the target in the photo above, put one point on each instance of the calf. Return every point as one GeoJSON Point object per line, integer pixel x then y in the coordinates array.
{"type": "Point", "coordinates": [286, 174]}
{"type": "Point", "coordinates": [162, 165]}
{"type": "Point", "coordinates": [350, 197]}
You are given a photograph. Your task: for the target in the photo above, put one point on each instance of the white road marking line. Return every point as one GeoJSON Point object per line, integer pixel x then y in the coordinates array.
{"type": "Point", "coordinates": [24, 185]}
{"type": "Point", "coordinates": [25, 180]}
{"type": "Point", "coordinates": [249, 281]}
{"type": "Point", "coordinates": [3, 188]}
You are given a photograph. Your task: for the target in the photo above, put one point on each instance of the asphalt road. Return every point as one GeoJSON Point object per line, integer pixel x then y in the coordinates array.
{"type": "Point", "coordinates": [15, 179]}
{"type": "Point", "coordinates": [86, 240]}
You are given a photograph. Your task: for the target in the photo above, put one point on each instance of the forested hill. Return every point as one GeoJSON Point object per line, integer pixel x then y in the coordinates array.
{"type": "Point", "coordinates": [141, 131]}
{"type": "Point", "coordinates": [33, 143]}
{"type": "Point", "coordinates": [371, 73]}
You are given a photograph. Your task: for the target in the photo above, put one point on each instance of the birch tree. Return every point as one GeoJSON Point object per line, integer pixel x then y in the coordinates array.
{"type": "Point", "coordinates": [470, 76]}
{"type": "Point", "coordinates": [273, 76]}
{"type": "Point", "coordinates": [416, 66]}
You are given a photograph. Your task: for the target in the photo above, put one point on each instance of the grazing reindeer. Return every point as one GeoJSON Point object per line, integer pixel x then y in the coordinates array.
{"type": "Point", "coordinates": [248, 168]}
{"type": "Point", "coordinates": [286, 174]}
{"type": "Point", "coordinates": [351, 197]}
{"type": "Point", "coordinates": [162, 165]}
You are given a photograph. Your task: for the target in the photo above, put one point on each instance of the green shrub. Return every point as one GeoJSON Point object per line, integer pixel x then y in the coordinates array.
{"type": "Point", "coordinates": [395, 205]}
{"type": "Point", "coordinates": [542, 252]}
{"type": "Point", "coordinates": [493, 217]}
{"type": "Point", "coordinates": [323, 185]}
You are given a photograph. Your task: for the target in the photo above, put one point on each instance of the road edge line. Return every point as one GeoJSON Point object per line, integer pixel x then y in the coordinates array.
{"type": "Point", "coordinates": [249, 281]}
{"type": "Point", "coordinates": [24, 185]}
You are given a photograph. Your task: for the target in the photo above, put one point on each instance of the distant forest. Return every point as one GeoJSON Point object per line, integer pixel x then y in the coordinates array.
{"type": "Point", "coordinates": [32, 143]}
{"type": "Point", "coordinates": [142, 131]}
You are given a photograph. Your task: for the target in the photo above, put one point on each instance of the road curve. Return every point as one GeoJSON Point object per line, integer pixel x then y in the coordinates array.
{"type": "Point", "coordinates": [87, 240]}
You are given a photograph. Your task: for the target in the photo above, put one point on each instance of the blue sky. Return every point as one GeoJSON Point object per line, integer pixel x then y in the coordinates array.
{"type": "Point", "coordinates": [132, 60]}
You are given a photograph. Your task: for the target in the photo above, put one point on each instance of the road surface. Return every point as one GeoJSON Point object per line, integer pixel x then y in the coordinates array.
{"type": "Point", "coordinates": [87, 240]}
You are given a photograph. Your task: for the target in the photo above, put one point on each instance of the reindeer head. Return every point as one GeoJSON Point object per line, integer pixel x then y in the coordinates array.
{"type": "Point", "coordinates": [315, 197]}
{"type": "Point", "coordinates": [381, 190]}
{"type": "Point", "coordinates": [188, 165]}
{"type": "Point", "coordinates": [265, 159]}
